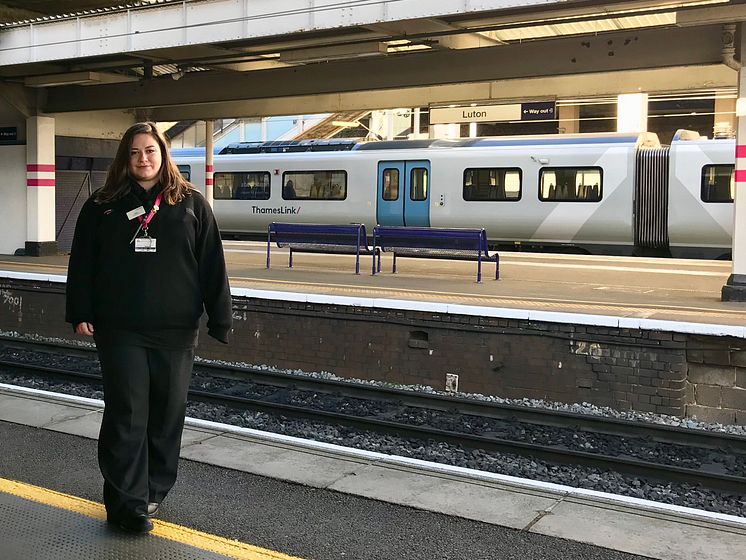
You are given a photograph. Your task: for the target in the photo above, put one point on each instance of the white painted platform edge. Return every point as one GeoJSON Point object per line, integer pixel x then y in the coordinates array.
{"type": "Point", "coordinates": [610, 321]}
{"type": "Point", "coordinates": [684, 513]}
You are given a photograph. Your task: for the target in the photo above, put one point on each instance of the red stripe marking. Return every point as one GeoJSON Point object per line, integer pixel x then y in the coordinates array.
{"type": "Point", "coordinates": [208, 182]}
{"type": "Point", "coordinates": [39, 182]}
{"type": "Point", "coordinates": [209, 168]}
{"type": "Point", "coordinates": [40, 167]}
{"type": "Point", "coordinates": [740, 175]}
{"type": "Point", "coordinates": [741, 151]}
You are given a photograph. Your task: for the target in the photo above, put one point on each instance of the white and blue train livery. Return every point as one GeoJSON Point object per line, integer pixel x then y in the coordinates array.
{"type": "Point", "coordinates": [597, 193]}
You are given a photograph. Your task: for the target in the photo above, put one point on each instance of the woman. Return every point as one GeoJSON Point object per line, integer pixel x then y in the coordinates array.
{"type": "Point", "coordinates": [146, 261]}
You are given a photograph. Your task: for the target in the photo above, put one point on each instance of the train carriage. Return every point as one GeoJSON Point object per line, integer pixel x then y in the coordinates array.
{"type": "Point", "coordinates": [598, 193]}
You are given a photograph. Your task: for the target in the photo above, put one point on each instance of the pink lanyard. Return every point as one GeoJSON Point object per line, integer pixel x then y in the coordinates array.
{"type": "Point", "coordinates": [146, 220]}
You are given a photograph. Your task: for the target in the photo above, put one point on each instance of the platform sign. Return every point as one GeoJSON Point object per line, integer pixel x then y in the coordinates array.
{"type": "Point", "coordinates": [536, 111]}
{"type": "Point", "coordinates": [475, 113]}
{"type": "Point", "coordinates": [8, 134]}
{"type": "Point", "coordinates": [539, 111]}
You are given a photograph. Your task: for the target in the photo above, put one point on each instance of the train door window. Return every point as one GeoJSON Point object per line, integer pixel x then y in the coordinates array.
{"type": "Point", "coordinates": [315, 185]}
{"type": "Point", "coordinates": [492, 184]}
{"type": "Point", "coordinates": [718, 183]}
{"type": "Point", "coordinates": [252, 185]}
{"type": "Point", "coordinates": [418, 184]}
{"type": "Point", "coordinates": [571, 184]}
{"type": "Point", "coordinates": [186, 171]}
{"type": "Point", "coordinates": [391, 184]}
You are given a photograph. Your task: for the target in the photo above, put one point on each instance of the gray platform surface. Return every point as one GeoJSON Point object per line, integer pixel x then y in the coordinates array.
{"type": "Point", "coordinates": [663, 289]}
{"type": "Point", "coordinates": [35, 531]}
{"type": "Point", "coordinates": [313, 504]}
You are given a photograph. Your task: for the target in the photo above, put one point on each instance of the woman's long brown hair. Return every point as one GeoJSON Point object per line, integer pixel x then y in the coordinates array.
{"type": "Point", "coordinates": [118, 181]}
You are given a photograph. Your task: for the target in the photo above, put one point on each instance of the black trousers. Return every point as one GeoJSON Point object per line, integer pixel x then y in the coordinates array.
{"type": "Point", "coordinates": [145, 392]}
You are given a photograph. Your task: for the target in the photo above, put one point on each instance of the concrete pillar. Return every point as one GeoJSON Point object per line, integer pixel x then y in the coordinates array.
{"type": "Point", "coordinates": [389, 124]}
{"type": "Point", "coordinates": [209, 167]}
{"type": "Point", "coordinates": [725, 117]}
{"type": "Point", "coordinates": [569, 119]}
{"type": "Point", "coordinates": [41, 237]}
{"type": "Point", "coordinates": [632, 112]}
{"type": "Point", "coordinates": [263, 128]}
{"type": "Point", "coordinates": [735, 287]}
{"type": "Point", "coordinates": [472, 130]}
{"type": "Point", "coordinates": [416, 123]}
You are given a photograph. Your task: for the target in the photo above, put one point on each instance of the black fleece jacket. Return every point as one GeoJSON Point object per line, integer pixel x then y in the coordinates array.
{"type": "Point", "coordinates": [115, 288]}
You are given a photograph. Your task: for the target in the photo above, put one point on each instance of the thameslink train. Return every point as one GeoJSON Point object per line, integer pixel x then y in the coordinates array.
{"type": "Point", "coordinates": [596, 193]}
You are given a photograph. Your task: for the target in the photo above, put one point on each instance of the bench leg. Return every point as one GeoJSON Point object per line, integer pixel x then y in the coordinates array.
{"type": "Point", "coordinates": [379, 260]}
{"type": "Point", "coordinates": [393, 268]}
{"type": "Point", "coordinates": [479, 268]}
{"type": "Point", "coordinates": [497, 266]}
{"type": "Point", "coordinates": [290, 259]}
{"type": "Point", "coordinates": [269, 241]}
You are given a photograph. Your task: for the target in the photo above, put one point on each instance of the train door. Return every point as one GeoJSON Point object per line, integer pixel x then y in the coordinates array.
{"type": "Point", "coordinates": [403, 193]}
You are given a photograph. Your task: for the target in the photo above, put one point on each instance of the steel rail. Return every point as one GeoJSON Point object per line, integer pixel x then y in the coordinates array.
{"type": "Point", "coordinates": [659, 433]}
{"type": "Point", "coordinates": [549, 453]}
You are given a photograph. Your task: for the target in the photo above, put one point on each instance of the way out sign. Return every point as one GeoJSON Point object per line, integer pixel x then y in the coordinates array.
{"type": "Point", "coordinates": [544, 110]}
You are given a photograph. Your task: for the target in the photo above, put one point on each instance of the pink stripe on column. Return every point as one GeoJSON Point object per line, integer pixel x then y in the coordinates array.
{"type": "Point", "coordinates": [740, 175]}
{"type": "Point", "coordinates": [209, 168]}
{"type": "Point", "coordinates": [208, 181]}
{"type": "Point", "coordinates": [40, 167]}
{"type": "Point", "coordinates": [39, 182]}
{"type": "Point", "coordinates": [741, 151]}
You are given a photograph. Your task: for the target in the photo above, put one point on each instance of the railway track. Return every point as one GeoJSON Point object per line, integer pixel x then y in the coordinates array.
{"type": "Point", "coordinates": [409, 415]}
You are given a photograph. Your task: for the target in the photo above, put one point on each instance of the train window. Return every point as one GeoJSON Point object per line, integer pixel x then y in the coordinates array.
{"type": "Point", "coordinates": [315, 185]}
{"type": "Point", "coordinates": [391, 184]}
{"type": "Point", "coordinates": [244, 185]}
{"type": "Point", "coordinates": [718, 183]}
{"type": "Point", "coordinates": [492, 184]}
{"type": "Point", "coordinates": [571, 184]}
{"type": "Point", "coordinates": [418, 184]}
{"type": "Point", "coordinates": [186, 171]}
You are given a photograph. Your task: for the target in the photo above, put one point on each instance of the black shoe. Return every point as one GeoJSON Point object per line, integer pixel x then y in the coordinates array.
{"type": "Point", "coordinates": [153, 508]}
{"type": "Point", "coordinates": [132, 523]}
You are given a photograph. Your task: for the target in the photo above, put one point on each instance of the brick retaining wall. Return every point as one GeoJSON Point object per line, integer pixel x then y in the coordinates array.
{"type": "Point", "coordinates": [655, 371]}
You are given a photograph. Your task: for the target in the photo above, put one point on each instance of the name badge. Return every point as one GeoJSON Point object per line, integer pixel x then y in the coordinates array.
{"type": "Point", "coordinates": [145, 245]}
{"type": "Point", "coordinates": [132, 214]}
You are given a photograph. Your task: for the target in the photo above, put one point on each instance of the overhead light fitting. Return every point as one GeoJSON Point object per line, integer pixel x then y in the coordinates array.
{"type": "Point", "coordinates": [76, 78]}
{"type": "Point", "coordinates": [336, 52]}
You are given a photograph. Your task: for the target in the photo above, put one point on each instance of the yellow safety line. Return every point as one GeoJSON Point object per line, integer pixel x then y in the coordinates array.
{"type": "Point", "coordinates": [163, 529]}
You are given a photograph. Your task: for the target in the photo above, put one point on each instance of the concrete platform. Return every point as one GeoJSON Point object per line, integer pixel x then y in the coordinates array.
{"type": "Point", "coordinates": [635, 289]}
{"type": "Point", "coordinates": [536, 511]}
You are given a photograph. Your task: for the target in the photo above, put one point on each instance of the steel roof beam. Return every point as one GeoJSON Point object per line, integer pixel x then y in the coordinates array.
{"type": "Point", "coordinates": [620, 51]}
{"type": "Point", "coordinates": [216, 21]}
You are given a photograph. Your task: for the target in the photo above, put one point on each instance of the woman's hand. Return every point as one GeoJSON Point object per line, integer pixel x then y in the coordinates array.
{"type": "Point", "coordinates": [84, 329]}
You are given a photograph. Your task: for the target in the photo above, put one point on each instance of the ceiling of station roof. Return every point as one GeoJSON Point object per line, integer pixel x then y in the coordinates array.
{"type": "Point", "coordinates": [443, 38]}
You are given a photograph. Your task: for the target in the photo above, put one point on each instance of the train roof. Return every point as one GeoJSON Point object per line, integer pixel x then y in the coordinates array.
{"type": "Point", "coordinates": [638, 139]}
{"type": "Point", "coordinates": [335, 145]}
{"type": "Point", "coordinates": [290, 146]}
{"type": "Point", "coordinates": [191, 152]}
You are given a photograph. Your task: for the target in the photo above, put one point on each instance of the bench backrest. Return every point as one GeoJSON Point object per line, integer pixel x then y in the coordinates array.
{"type": "Point", "coordinates": [285, 234]}
{"type": "Point", "coordinates": [451, 239]}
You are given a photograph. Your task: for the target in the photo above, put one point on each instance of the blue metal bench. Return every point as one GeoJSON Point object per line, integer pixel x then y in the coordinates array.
{"type": "Point", "coordinates": [319, 238]}
{"type": "Point", "coordinates": [434, 242]}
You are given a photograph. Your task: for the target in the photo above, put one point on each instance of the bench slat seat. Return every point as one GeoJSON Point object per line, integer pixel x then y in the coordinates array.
{"type": "Point", "coordinates": [434, 242]}
{"type": "Point", "coordinates": [319, 238]}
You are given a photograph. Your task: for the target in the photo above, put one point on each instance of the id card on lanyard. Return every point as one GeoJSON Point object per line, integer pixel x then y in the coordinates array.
{"type": "Point", "coordinates": [145, 244]}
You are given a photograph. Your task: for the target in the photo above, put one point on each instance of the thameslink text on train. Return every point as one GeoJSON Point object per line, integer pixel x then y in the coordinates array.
{"type": "Point", "coordinates": [282, 210]}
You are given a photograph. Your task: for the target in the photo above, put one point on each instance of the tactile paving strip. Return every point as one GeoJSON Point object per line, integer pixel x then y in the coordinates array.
{"type": "Point", "coordinates": [37, 531]}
